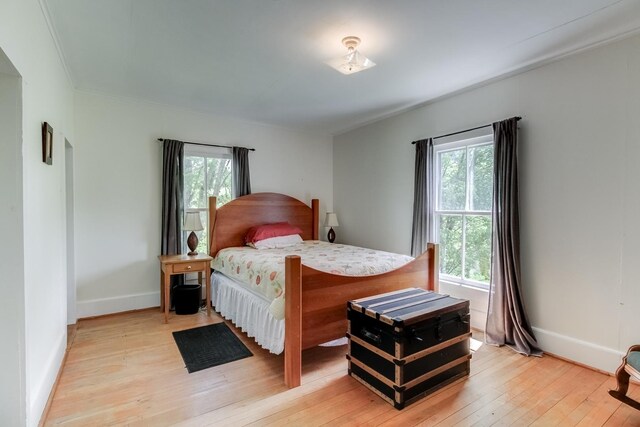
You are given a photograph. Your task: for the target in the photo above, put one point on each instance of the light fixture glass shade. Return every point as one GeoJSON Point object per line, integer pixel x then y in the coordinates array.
{"type": "Point", "coordinates": [192, 222]}
{"type": "Point", "coordinates": [353, 61]}
{"type": "Point", "coordinates": [331, 220]}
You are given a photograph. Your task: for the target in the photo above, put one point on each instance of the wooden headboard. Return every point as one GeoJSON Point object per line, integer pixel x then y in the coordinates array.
{"type": "Point", "coordinates": [229, 224]}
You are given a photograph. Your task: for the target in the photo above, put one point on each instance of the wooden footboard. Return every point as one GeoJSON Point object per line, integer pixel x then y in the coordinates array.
{"type": "Point", "coordinates": [315, 302]}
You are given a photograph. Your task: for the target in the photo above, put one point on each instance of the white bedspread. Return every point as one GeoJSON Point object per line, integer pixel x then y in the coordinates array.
{"type": "Point", "coordinates": [262, 271]}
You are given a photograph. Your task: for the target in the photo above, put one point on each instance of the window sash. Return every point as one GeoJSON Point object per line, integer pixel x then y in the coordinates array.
{"type": "Point", "coordinates": [439, 149]}
{"type": "Point", "coordinates": [462, 279]}
{"type": "Point", "coordinates": [204, 153]}
{"type": "Point", "coordinates": [208, 152]}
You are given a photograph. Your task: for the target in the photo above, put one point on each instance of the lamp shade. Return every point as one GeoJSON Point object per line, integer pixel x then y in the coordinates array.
{"type": "Point", "coordinates": [192, 222]}
{"type": "Point", "coordinates": [331, 220]}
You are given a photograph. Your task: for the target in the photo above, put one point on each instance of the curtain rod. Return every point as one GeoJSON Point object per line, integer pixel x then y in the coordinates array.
{"type": "Point", "coordinates": [207, 145]}
{"type": "Point", "coordinates": [518, 118]}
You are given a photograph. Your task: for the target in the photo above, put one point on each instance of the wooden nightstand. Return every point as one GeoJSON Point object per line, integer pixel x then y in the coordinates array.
{"type": "Point", "coordinates": [181, 264]}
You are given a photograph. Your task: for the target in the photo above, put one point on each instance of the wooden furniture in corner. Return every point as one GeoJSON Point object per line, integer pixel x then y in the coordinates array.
{"type": "Point", "coordinates": [315, 301]}
{"type": "Point", "coordinates": [630, 367]}
{"type": "Point", "coordinates": [181, 264]}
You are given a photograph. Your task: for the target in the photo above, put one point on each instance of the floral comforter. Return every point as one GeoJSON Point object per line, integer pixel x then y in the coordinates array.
{"type": "Point", "coordinates": [263, 270]}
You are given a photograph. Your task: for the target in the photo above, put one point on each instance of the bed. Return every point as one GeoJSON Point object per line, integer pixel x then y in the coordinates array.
{"type": "Point", "coordinates": [315, 302]}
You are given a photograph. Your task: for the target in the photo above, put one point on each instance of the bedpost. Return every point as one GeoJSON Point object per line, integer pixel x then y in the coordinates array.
{"type": "Point", "coordinates": [315, 208]}
{"type": "Point", "coordinates": [212, 221]}
{"type": "Point", "coordinates": [293, 321]}
{"type": "Point", "coordinates": [433, 281]}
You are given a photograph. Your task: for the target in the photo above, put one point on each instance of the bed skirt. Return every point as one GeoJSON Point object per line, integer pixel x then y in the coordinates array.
{"type": "Point", "coordinates": [248, 311]}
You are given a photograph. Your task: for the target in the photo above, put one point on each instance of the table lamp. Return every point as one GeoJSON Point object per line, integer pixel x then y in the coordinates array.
{"type": "Point", "coordinates": [192, 223]}
{"type": "Point", "coordinates": [331, 221]}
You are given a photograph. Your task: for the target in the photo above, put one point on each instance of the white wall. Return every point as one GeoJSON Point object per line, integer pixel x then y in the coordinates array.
{"type": "Point", "coordinates": [46, 96]}
{"type": "Point", "coordinates": [12, 375]}
{"type": "Point", "coordinates": [580, 191]}
{"type": "Point", "coordinates": [118, 172]}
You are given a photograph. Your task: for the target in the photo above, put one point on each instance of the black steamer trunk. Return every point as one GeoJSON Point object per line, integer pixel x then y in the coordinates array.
{"type": "Point", "coordinates": [406, 344]}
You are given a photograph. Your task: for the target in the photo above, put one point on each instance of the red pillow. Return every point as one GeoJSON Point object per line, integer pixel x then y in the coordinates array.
{"type": "Point", "coordinates": [266, 231]}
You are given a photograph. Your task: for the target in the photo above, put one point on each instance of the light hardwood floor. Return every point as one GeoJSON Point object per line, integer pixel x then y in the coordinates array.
{"type": "Point", "coordinates": [126, 370]}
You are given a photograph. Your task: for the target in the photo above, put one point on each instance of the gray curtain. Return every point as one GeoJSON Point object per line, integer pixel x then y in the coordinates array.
{"type": "Point", "coordinates": [172, 196]}
{"type": "Point", "coordinates": [423, 197]}
{"type": "Point", "coordinates": [241, 177]}
{"type": "Point", "coordinates": [507, 322]}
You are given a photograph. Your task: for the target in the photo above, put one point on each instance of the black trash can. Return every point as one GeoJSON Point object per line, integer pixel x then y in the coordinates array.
{"type": "Point", "coordinates": [186, 298]}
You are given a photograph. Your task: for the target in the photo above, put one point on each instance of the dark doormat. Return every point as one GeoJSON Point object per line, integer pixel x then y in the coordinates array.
{"type": "Point", "coordinates": [208, 346]}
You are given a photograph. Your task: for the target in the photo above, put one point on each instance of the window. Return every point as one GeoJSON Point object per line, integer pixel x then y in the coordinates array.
{"type": "Point", "coordinates": [207, 172]}
{"type": "Point", "coordinates": [462, 214]}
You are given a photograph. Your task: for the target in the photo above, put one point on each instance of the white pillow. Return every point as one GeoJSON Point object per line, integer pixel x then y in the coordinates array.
{"type": "Point", "coordinates": [277, 242]}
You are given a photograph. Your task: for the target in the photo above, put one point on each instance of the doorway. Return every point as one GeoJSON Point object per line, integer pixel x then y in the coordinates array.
{"type": "Point", "coordinates": [12, 317]}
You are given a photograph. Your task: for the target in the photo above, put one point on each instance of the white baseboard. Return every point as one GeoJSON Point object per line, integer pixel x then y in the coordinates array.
{"type": "Point", "coordinates": [594, 355]}
{"type": "Point", "coordinates": [99, 307]}
{"type": "Point", "coordinates": [41, 392]}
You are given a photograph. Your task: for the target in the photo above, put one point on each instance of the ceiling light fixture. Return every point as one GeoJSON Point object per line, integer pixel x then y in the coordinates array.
{"type": "Point", "coordinates": [353, 61]}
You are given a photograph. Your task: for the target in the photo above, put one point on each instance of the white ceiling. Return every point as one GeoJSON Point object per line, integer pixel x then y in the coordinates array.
{"type": "Point", "coordinates": [264, 60]}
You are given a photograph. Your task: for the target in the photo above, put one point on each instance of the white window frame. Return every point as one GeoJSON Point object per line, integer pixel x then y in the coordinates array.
{"type": "Point", "coordinates": [191, 150]}
{"type": "Point", "coordinates": [443, 147]}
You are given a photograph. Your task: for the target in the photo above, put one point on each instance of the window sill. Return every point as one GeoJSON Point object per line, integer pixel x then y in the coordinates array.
{"type": "Point", "coordinates": [464, 285]}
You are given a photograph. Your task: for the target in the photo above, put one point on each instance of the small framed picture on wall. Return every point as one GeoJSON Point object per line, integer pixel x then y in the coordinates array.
{"type": "Point", "coordinates": [47, 143]}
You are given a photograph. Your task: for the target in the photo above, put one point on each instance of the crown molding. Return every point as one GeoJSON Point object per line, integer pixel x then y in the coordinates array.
{"type": "Point", "coordinates": [56, 40]}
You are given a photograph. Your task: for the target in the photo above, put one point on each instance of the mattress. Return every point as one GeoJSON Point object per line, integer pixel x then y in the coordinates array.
{"type": "Point", "coordinates": [262, 271]}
